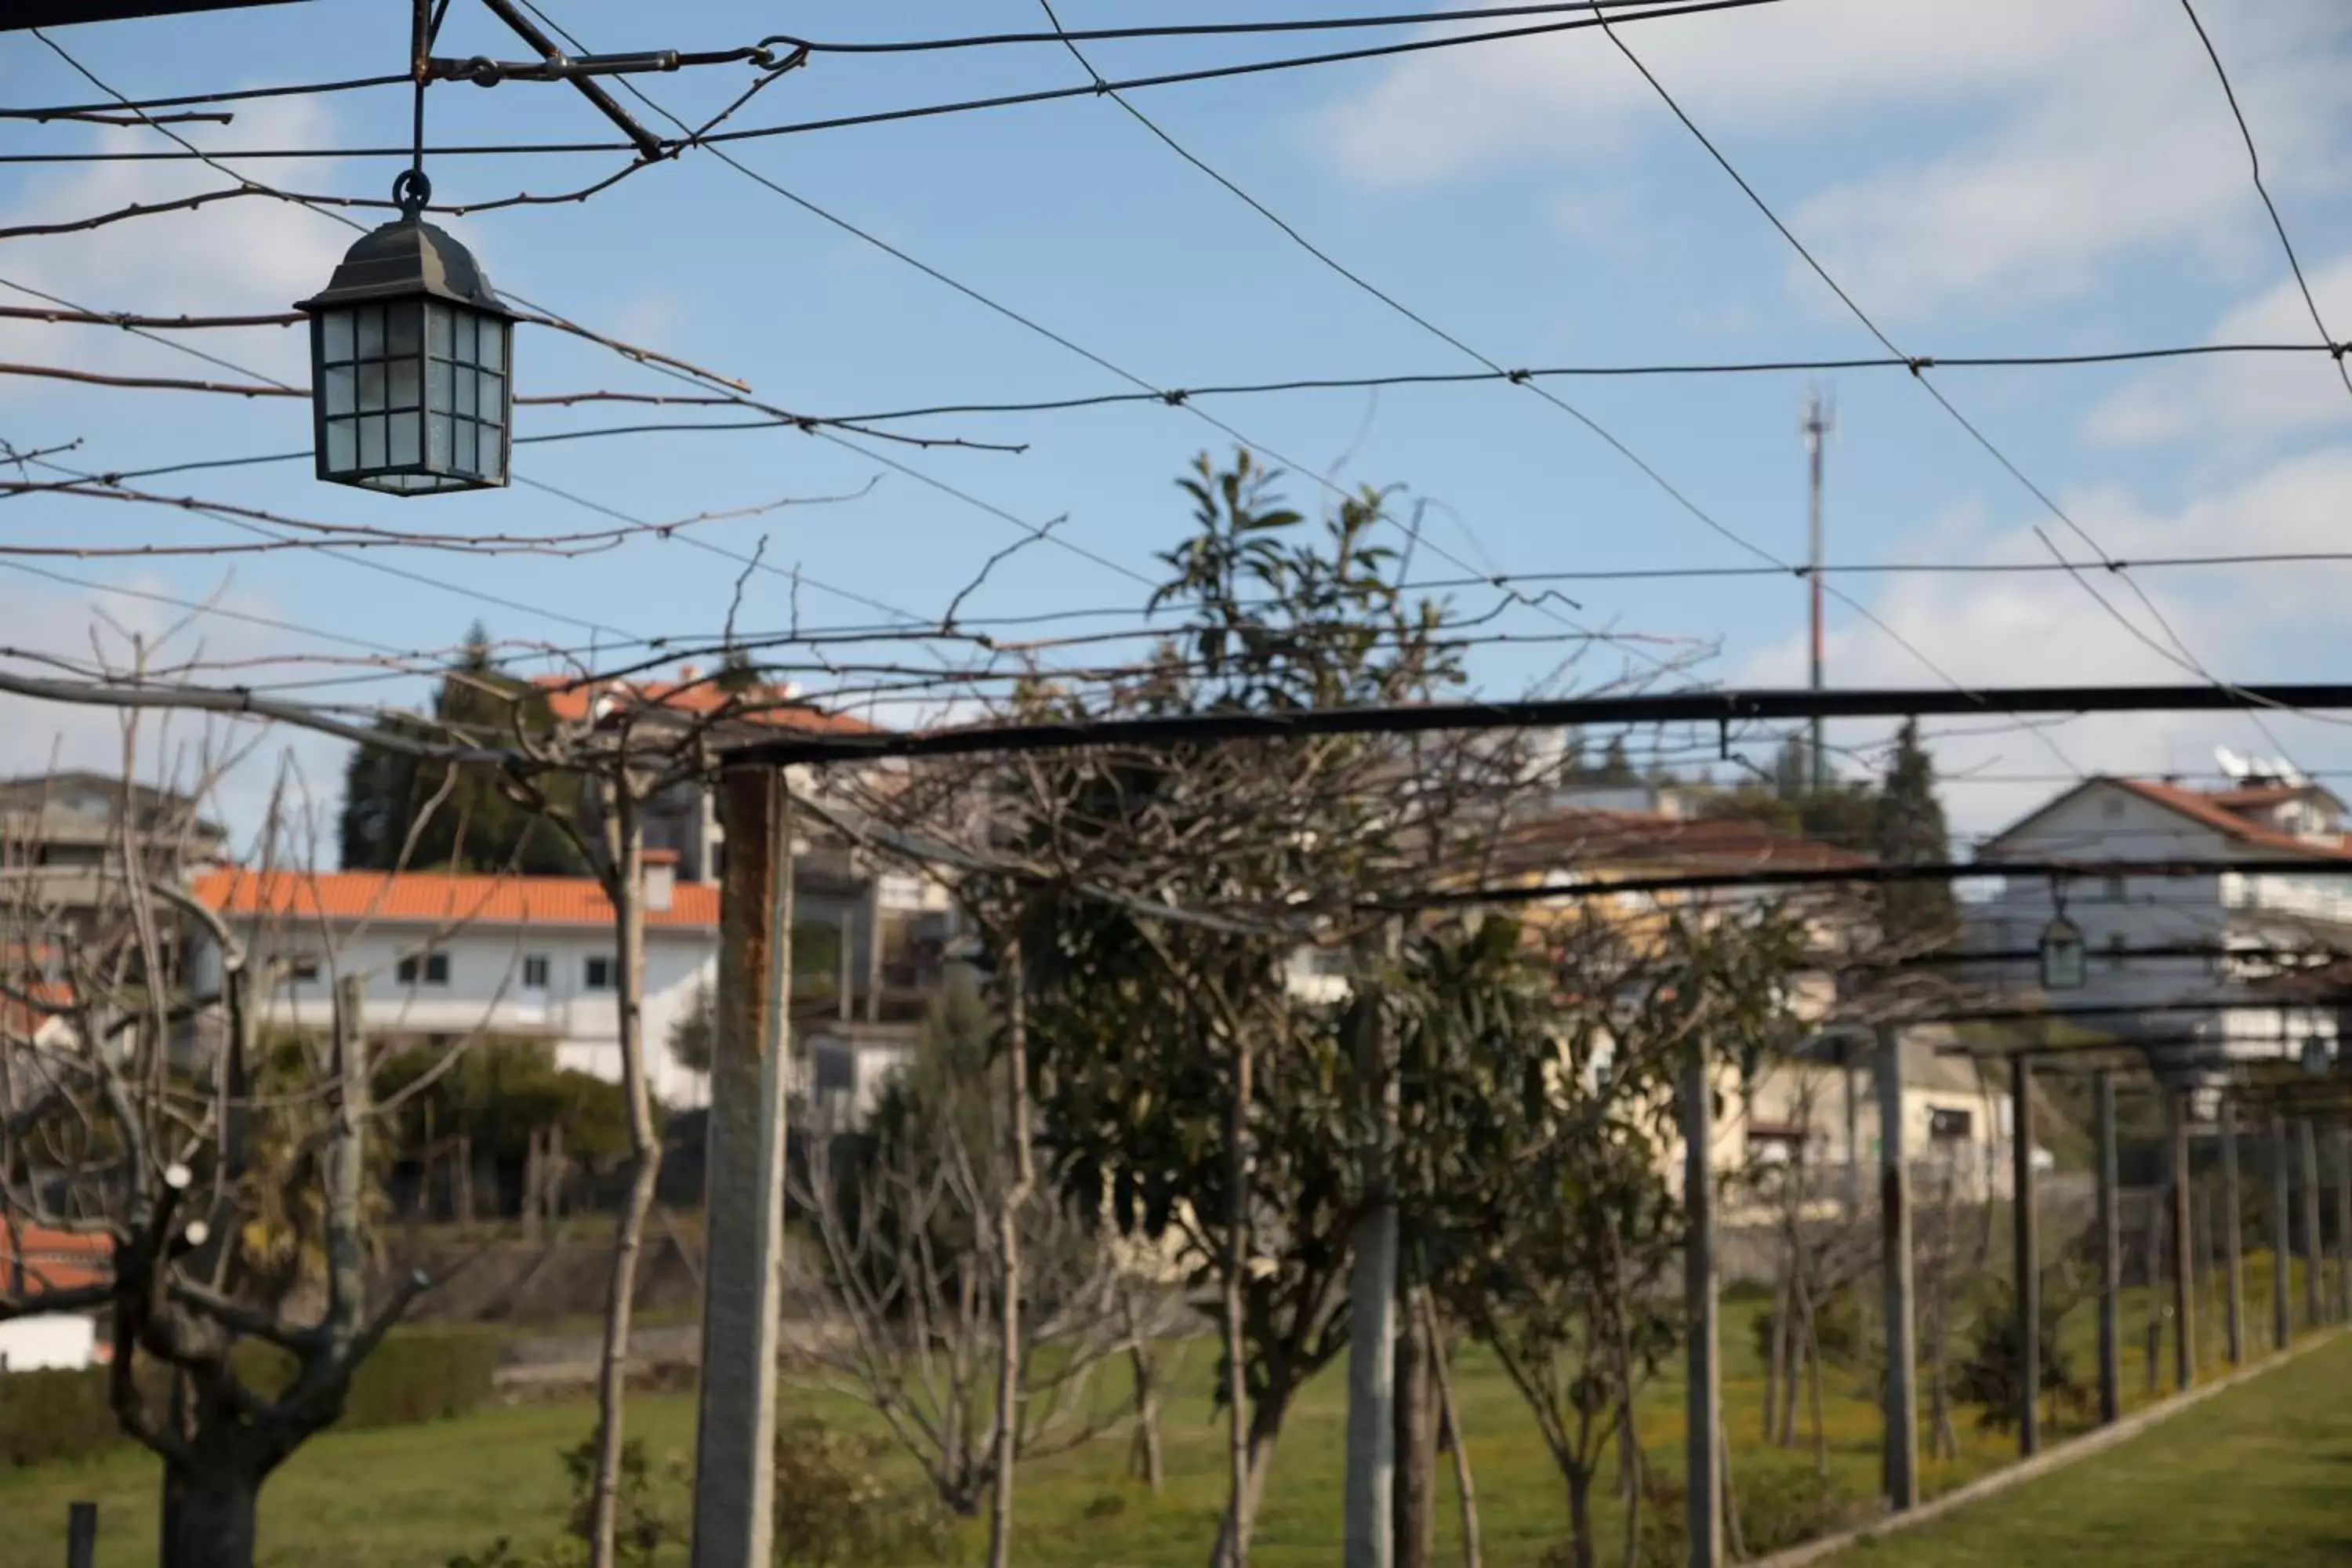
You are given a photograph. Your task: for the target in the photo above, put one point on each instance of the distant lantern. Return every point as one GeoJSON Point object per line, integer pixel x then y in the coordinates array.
{"type": "Point", "coordinates": [2062, 963]}
{"type": "Point", "coordinates": [2316, 1057]}
{"type": "Point", "coordinates": [411, 376]}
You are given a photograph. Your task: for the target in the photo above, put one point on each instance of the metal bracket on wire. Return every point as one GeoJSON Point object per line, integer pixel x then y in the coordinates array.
{"type": "Point", "coordinates": [483, 71]}
{"type": "Point", "coordinates": [561, 67]}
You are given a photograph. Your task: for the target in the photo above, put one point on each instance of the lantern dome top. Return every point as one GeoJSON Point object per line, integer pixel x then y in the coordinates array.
{"type": "Point", "coordinates": [405, 258]}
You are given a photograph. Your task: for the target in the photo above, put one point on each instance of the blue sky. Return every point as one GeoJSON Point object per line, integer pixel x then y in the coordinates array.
{"type": "Point", "coordinates": [1985, 176]}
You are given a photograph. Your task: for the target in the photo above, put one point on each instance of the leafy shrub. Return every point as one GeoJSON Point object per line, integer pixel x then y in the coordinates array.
{"type": "Point", "coordinates": [640, 1527]}
{"type": "Point", "coordinates": [1837, 1324]}
{"type": "Point", "coordinates": [47, 1415]}
{"type": "Point", "coordinates": [835, 1510]}
{"type": "Point", "coordinates": [1782, 1506]}
{"type": "Point", "coordinates": [1990, 1374]}
{"type": "Point", "coordinates": [407, 1379]}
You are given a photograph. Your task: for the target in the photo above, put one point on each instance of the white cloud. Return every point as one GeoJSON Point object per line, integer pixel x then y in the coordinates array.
{"type": "Point", "coordinates": [179, 749]}
{"type": "Point", "coordinates": [2010, 145]}
{"type": "Point", "coordinates": [245, 256]}
{"type": "Point", "coordinates": [2027, 629]}
{"type": "Point", "coordinates": [2243, 397]}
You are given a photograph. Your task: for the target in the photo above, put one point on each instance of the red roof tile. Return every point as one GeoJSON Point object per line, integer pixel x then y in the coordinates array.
{"type": "Point", "coordinates": [436, 897]}
{"type": "Point", "coordinates": [2207, 809]}
{"type": "Point", "coordinates": [54, 1259]}
{"type": "Point", "coordinates": [570, 699]}
{"type": "Point", "coordinates": [1579, 835]}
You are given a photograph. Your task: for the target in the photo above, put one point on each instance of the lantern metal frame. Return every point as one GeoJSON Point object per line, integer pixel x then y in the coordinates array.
{"type": "Point", "coordinates": [412, 362]}
{"type": "Point", "coordinates": [2066, 959]}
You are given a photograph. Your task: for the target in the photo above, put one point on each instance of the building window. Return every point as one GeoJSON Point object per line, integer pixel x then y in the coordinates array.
{"type": "Point", "coordinates": [2112, 809]}
{"type": "Point", "coordinates": [2114, 889]}
{"type": "Point", "coordinates": [534, 971]}
{"type": "Point", "coordinates": [302, 969]}
{"type": "Point", "coordinates": [597, 973]}
{"type": "Point", "coordinates": [1946, 1126]}
{"type": "Point", "coordinates": [2116, 949]}
{"type": "Point", "coordinates": [433, 969]}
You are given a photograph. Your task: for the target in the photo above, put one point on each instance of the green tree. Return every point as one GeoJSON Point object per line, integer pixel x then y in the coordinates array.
{"type": "Point", "coordinates": [1907, 829]}
{"type": "Point", "coordinates": [1180, 1077]}
{"type": "Point", "coordinates": [471, 821]}
{"type": "Point", "coordinates": [1547, 1214]}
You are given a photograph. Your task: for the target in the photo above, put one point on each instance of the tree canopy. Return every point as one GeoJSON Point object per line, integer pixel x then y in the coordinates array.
{"type": "Point", "coordinates": [469, 822]}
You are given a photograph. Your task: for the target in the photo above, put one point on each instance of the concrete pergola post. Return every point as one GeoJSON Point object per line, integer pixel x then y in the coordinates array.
{"type": "Point", "coordinates": [2184, 1255]}
{"type": "Point", "coordinates": [2314, 1262]}
{"type": "Point", "coordinates": [2343, 1142]}
{"type": "Point", "coordinates": [2028, 1255]}
{"type": "Point", "coordinates": [2233, 1247]}
{"type": "Point", "coordinates": [2281, 1236]}
{"type": "Point", "coordinates": [2111, 1253]}
{"type": "Point", "coordinates": [1703, 1461]}
{"type": "Point", "coordinates": [744, 1196]}
{"type": "Point", "coordinates": [1902, 1459]}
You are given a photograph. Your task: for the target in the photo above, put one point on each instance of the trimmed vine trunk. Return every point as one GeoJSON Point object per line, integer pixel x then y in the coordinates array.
{"type": "Point", "coordinates": [1009, 1371]}
{"type": "Point", "coordinates": [1413, 1502]}
{"type": "Point", "coordinates": [1449, 1415]}
{"type": "Point", "coordinates": [623, 862]}
{"type": "Point", "coordinates": [1233, 1533]}
{"type": "Point", "coordinates": [1257, 1463]}
{"type": "Point", "coordinates": [1581, 1544]}
{"type": "Point", "coordinates": [1144, 1455]}
{"type": "Point", "coordinates": [212, 1513]}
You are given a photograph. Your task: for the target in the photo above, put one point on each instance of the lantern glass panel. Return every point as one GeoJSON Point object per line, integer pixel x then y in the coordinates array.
{"type": "Point", "coordinates": [2062, 964]}
{"type": "Point", "coordinates": [412, 394]}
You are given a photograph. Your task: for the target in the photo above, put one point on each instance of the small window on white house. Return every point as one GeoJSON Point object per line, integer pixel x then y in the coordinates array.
{"type": "Point", "coordinates": [303, 968]}
{"type": "Point", "coordinates": [2116, 949]}
{"type": "Point", "coordinates": [597, 973]}
{"type": "Point", "coordinates": [534, 971]}
{"type": "Point", "coordinates": [2114, 889]}
{"type": "Point", "coordinates": [1947, 1125]}
{"type": "Point", "coordinates": [432, 969]}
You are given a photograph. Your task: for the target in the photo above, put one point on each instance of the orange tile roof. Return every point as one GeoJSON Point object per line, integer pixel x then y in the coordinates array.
{"type": "Point", "coordinates": [2207, 809]}
{"type": "Point", "coordinates": [2241, 796]}
{"type": "Point", "coordinates": [54, 1259]}
{"type": "Point", "coordinates": [436, 897]}
{"type": "Point", "coordinates": [570, 699]}
{"type": "Point", "coordinates": [1582, 836]}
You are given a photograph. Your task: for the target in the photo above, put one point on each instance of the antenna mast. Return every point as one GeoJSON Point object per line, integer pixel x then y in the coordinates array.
{"type": "Point", "coordinates": [1819, 420]}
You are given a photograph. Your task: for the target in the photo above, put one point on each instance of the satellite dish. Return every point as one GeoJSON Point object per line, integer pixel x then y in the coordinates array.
{"type": "Point", "coordinates": [2232, 765]}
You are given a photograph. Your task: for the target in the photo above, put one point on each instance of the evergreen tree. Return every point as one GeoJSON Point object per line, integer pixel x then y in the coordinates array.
{"type": "Point", "coordinates": [736, 673]}
{"type": "Point", "coordinates": [476, 827]}
{"type": "Point", "coordinates": [1792, 769]}
{"type": "Point", "coordinates": [1908, 830]}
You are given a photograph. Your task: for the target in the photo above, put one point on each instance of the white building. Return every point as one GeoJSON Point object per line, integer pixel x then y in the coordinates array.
{"type": "Point", "coordinates": [443, 955]}
{"type": "Point", "coordinates": [2228, 922]}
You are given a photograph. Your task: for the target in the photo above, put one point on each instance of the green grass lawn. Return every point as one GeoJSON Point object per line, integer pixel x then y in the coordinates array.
{"type": "Point", "coordinates": [2256, 1475]}
{"type": "Point", "coordinates": [410, 1497]}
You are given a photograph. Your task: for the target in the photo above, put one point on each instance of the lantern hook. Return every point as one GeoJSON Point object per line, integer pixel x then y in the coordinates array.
{"type": "Point", "coordinates": [412, 189]}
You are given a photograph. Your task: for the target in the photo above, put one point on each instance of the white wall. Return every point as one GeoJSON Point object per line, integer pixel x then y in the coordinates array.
{"type": "Point", "coordinates": [2108, 822]}
{"type": "Point", "coordinates": [47, 1341]}
{"type": "Point", "coordinates": [485, 988]}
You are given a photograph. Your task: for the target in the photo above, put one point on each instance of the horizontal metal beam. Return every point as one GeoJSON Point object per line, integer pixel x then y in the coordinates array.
{"type": "Point", "coordinates": [1725, 707]}
{"type": "Point", "coordinates": [19, 15]}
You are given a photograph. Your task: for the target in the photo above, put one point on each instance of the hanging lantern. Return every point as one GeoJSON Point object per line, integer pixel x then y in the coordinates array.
{"type": "Point", "coordinates": [2316, 1057]}
{"type": "Point", "coordinates": [412, 391]}
{"type": "Point", "coordinates": [2063, 963]}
